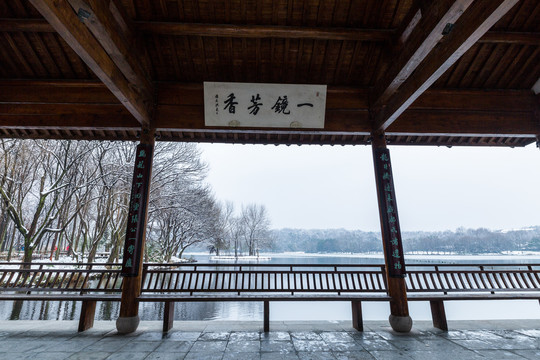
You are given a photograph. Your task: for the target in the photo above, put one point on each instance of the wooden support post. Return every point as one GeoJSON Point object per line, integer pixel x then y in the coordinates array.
{"type": "Point", "coordinates": [438, 314]}
{"type": "Point", "coordinates": [86, 319]}
{"type": "Point", "coordinates": [128, 321]}
{"type": "Point", "coordinates": [357, 322]}
{"type": "Point", "coordinates": [391, 236]}
{"type": "Point", "coordinates": [266, 316]}
{"type": "Point", "coordinates": [168, 316]}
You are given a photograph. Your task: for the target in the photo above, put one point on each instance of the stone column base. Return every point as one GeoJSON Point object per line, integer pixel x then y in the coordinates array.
{"type": "Point", "coordinates": [400, 323]}
{"type": "Point", "coordinates": [126, 325]}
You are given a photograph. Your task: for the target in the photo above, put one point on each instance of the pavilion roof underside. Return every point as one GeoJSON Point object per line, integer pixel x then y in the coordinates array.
{"type": "Point", "coordinates": [475, 85]}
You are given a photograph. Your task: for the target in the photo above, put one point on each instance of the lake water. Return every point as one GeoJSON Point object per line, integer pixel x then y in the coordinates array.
{"type": "Point", "coordinates": [456, 310]}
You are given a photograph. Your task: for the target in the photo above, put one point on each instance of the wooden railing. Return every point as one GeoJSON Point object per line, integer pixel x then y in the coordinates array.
{"type": "Point", "coordinates": [263, 278]}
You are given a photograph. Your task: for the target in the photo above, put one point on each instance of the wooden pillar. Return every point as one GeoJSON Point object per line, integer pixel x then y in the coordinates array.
{"type": "Point", "coordinates": [391, 236]}
{"type": "Point", "coordinates": [357, 321]}
{"type": "Point", "coordinates": [168, 316]}
{"type": "Point", "coordinates": [132, 266]}
{"type": "Point", "coordinates": [88, 311]}
{"type": "Point", "coordinates": [266, 315]}
{"type": "Point", "coordinates": [438, 314]}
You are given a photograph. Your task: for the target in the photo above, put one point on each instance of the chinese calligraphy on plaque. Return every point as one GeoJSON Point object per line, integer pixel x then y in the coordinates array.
{"type": "Point", "coordinates": [264, 105]}
{"type": "Point", "coordinates": [391, 232]}
{"type": "Point", "coordinates": [137, 210]}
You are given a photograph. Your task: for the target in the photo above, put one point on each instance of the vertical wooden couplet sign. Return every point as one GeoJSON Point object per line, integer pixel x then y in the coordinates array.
{"type": "Point", "coordinates": [137, 210]}
{"type": "Point", "coordinates": [389, 217]}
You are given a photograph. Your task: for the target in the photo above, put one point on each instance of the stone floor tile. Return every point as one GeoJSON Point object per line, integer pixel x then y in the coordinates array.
{"type": "Point", "coordinates": [228, 355]}
{"type": "Point", "coordinates": [390, 355]}
{"type": "Point", "coordinates": [306, 335]}
{"type": "Point", "coordinates": [345, 346]}
{"type": "Point", "coordinates": [499, 354]}
{"type": "Point", "coordinates": [244, 346]}
{"type": "Point", "coordinates": [376, 344]}
{"type": "Point", "coordinates": [323, 355]}
{"type": "Point", "coordinates": [245, 336]}
{"type": "Point", "coordinates": [276, 335]}
{"type": "Point", "coordinates": [134, 346]}
{"type": "Point", "coordinates": [174, 346]}
{"type": "Point", "coordinates": [274, 356]}
{"type": "Point", "coordinates": [139, 355]}
{"type": "Point", "coordinates": [93, 355]}
{"type": "Point", "coordinates": [529, 354]}
{"type": "Point", "coordinates": [151, 336]}
{"type": "Point", "coordinates": [46, 355]}
{"type": "Point", "coordinates": [353, 355]}
{"type": "Point", "coordinates": [336, 337]}
{"type": "Point", "coordinates": [209, 346]}
{"type": "Point", "coordinates": [310, 345]}
{"type": "Point", "coordinates": [476, 344]}
{"type": "Point", "coordinates": [277, 346]}
{"type": "Point", "coordinates": [215, 336]}
{"type": "Point", "coordinates": [409, 344]}
{"type": "Point", "coordinates": [204, 356]}
{"type": "Point", "coordinates": [531, 332]}
{"type": "Point", "coordinates": [165, 356]}
{"type": "Point", "coordinates": [16, 355]}
{"type": "Point", "coordinates": [183, 335]}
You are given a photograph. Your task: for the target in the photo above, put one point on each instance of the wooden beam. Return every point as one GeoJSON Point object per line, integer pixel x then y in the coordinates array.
{"type": "Point", "coordinates": [64, 20]}
{"type": "Point", "coordinates": [425, 35]}
{"type": "Point", "coordinates": [474, 23]}
{"type": "Point", "coordinates": [86, 105]}
{"type": "Point", "coordinates": [295, 32]}
{"type": "Point", "coordinates": [264, 31]}
{"type": "Point", "coordinates": [115, 38]}
{"type": "Point", "coordinates": [511, 37]}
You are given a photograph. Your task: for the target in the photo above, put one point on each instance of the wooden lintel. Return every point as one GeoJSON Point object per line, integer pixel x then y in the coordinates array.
{"type": "Point", "coordinates": [86, 105]}
{"type": "Point", "coordinates": [468, 29]}
{"type": "Point", "coordinates": [64, 20]}
{"type": "Point", "coordinates": [247, 31]}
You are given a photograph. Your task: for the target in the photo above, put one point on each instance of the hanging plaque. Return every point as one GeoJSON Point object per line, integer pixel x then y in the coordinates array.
{"type": "Point", "coordinates": [264, 105]}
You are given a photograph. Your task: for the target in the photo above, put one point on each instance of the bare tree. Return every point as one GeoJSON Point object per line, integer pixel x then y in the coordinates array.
{"type": "Point", "coordinates": [256, 227]}
{"type": "Point", "coordinates": [42, 176]}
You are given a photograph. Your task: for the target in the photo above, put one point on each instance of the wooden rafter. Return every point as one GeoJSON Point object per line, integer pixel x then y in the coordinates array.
{"type": "Point", "coordinates": [419, 42]}
{"type": "Point", "coordinates": [110, 66]}
{"type": "Point", "coordinates": [400, 91]}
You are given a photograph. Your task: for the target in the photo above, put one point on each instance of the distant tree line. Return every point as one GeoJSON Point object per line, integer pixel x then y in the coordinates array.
{"type": "Point", "coordinates": [461, 241]}
{"type": "Point", "coordinates": [72, 197]}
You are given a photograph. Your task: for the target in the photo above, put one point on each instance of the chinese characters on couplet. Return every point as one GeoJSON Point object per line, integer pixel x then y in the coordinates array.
{"type": "Point", "coordinates": [137, 208]}
{"type": "Point", "coordinates": [394, 250]}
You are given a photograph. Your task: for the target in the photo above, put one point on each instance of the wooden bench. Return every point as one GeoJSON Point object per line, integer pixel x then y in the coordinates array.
{"type": "Point", "coordinates": [263, 282]}
{"type": "Point", "coordinates": [88, 283]}
{"type": "Point", "coordinates": [446, 282]}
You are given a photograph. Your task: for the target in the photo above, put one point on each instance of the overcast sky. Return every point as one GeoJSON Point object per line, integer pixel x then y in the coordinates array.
{"type": "Point", "coordinates": [437, 188]}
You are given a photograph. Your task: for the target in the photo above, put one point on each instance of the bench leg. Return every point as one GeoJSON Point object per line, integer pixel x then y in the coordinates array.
{"type": "Point", "coordinates": [266, 316]}
{"type": "Point", "coordinates": [357, 322]}
{"type": "Point", "coordinates": [438, 314]}
{"type": "Point", "coordinates": [88, 310]}
{"type": "Point", "coordinates": [168, 316]}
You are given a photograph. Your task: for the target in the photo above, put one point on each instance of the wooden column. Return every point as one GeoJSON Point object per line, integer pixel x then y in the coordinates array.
{"type": "Point", "coordinates": [132, 266]}
{"type": "Point", "coordinates": [391, 236]}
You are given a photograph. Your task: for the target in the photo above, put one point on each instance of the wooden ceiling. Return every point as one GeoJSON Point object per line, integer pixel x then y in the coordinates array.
{"type": "Point", "coordinates": [441, 72]}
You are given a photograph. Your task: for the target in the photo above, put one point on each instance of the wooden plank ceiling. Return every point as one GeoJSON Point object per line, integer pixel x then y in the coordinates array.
{"type": "Point", "coordinates": [441, 72]}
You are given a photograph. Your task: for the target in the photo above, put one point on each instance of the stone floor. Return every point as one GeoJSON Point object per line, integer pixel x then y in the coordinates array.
{"type": "Point", "coordinates": [199, 340]}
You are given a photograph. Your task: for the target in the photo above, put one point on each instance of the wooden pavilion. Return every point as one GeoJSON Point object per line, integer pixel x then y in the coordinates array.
{"type": "Point", "coordinates": [405, 72]}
